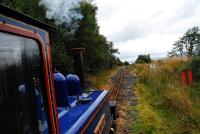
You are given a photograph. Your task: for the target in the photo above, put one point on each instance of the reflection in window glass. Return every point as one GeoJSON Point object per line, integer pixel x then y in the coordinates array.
{"type": "Point", "coordinates": [21, 89]}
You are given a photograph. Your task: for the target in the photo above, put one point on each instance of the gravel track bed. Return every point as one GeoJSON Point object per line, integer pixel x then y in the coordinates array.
{"type": "Point", "coordinates": [125, 100]}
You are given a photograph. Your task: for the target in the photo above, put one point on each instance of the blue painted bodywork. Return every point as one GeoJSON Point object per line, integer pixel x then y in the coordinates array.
{"type": "Point", "coordinates": [73, 85]}
{"type": "Point", "coordinates": [61, 90]}
{"type": "Point", "coordinates": [19, 24]}
{"type": "Point", "coordinates": [76, 118]}
{"type": "Point", "coordinates": [73, 116]}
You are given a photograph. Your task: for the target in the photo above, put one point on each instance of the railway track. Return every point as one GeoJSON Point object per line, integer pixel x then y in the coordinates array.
{"type": "Point", "coordinates": [117, 83]}
{"type": "Point", "coordinates": [122, 93]}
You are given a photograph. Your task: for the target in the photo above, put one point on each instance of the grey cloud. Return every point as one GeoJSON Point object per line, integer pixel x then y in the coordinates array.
{"type": "Point", "coordinates": [187, 10]}
{"type": "Point", "coordinates": [131, 32]}
{"type": "Point", "coordinates": [163, 22]}
{"type": "Point", "coordinates": [107, 12]}
{"type": "Point", "coordinates": [157, 14]}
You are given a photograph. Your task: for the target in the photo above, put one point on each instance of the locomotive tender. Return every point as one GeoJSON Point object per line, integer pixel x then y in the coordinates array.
{"type": "Point", "coordinates": [33, 99]}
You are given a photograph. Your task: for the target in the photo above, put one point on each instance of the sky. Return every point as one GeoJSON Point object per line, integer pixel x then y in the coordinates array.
{"type": "Point", "coordinates": [146, 26]}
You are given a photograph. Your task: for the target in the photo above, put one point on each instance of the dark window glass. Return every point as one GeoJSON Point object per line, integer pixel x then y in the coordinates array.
{"type": "Point", "coordinates": [22, 109]}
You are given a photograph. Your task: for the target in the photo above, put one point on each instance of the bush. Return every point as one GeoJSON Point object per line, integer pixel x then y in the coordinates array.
{"type": "Point", "coordinates": [126, 63]}
{"type": "Point", "coordinates": [195, 67]}
{"type": "Point", "coordinates": [143, 59]}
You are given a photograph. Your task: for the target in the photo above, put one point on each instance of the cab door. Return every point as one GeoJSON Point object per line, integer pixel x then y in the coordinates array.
{"type": "Point", "coordinates": [23, 106]}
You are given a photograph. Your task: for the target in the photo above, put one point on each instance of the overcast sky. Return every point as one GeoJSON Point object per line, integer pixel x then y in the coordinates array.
{"type": "Point", "coordinates": [146, 26]}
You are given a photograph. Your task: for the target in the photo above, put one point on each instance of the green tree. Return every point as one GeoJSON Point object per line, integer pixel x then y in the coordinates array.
{"type": "Point", "coordinates": [29, 7]}
{"type": "Point", "coordinates": [178, 49]}
{"type": "Point", "coordinates": [80, 33]}
{"type": "Point", "coordinates": [126, 63]}
{"type": "Point", "coordinates": [191, 39]}
{"type": "Point", "coordinates": [189, 44]}
{"type": "Point", "coordinates": [61, 44]}
{"type": "Point", "coordinates": [61, 39]}
{"type": "Point", "coordinates": [99, 51]}
{"type": "Point", "coordinates": [143, 59]}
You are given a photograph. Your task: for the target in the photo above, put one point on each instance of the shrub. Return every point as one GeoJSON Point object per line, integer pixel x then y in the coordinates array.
{"type": "Point", "coordinates": [195, 67]}
{"type": "Point", "coordinates": [143, 59]}
{"type": "Point", "coordinates": [126, 63]}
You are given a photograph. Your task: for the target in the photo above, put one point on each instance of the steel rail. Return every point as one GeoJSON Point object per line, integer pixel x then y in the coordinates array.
{"type": "Point", "coordinates": [117, 85]}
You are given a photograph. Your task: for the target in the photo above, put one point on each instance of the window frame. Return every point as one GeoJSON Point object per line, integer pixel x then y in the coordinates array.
{"type": "Point", "coordinates": [47, 70]}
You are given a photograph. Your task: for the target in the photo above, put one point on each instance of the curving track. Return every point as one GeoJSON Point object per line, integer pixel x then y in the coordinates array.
{"type": "Point", "coordinates": [123, 93]}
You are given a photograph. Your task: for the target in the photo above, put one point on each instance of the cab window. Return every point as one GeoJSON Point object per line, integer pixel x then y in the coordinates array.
{"type": "Point", "coordinates": [22, 90]}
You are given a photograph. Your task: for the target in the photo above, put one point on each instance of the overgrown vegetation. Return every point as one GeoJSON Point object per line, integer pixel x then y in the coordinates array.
{"type": "Point", "coordinates": [99, 51]}
{"type": "Point", "coordinates": [194, 66]}
{"type": "Point", "coordinates": [165, 105]}
{"type": "Point", "coordinates": [102, 79]}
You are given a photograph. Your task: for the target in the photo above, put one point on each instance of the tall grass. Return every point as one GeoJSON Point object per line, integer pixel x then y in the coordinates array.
{"type": "Point", "coordinates": [165, 105]}
{"type": "Point", "coordinates": [102, 79]}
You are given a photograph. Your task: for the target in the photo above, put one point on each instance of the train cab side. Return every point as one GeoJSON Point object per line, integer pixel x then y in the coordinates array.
{"type": "Point", "coordinates": [33, 99]}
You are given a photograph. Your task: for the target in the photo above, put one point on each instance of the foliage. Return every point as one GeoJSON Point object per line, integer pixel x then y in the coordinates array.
{"type": "Point", "coordinates": [178, 49]}
{"type": "Point", "coordinates": [188, 45]}
{"type": "Point", "coordinates": [61, 44]}
{"type": "Point", "coordinates": [118, 61]}
{"type": "Point", "coordinates": [99, 51]}
{"type": "Point", "coordinates": [143, 59]}
{"type": "Point", "coordinates": [165, 105]}
{"type": "Point", "coordinates": [126, 63]}
{"type": "Point", "coordinates": [194, 65]}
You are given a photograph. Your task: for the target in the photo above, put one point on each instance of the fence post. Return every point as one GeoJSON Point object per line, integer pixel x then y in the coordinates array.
{"type": "Point", "coordinates": [184, 77]}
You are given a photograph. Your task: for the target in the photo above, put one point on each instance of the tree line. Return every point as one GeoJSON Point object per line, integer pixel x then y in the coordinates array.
{"type": "Point", "coordinates": [99, 51]}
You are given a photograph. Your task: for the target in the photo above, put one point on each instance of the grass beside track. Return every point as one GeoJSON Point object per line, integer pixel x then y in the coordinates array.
{"type": "Point", "coordinates": [165, 105]}
{"type": "Point", "coordinates": [101, 80]}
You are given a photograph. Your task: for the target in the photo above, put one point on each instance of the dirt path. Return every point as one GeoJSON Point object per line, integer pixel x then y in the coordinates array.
{"type": "Point", "coordinates": [125, 100]}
